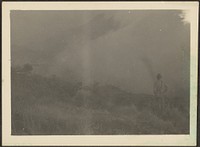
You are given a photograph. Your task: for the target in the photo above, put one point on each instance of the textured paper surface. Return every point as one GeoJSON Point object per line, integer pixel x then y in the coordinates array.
{"type": "Point", "coordinates": [118, 140]}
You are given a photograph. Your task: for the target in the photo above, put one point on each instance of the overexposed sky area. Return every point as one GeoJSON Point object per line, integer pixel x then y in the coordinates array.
{"type": "Point", "coordinates": [126, 48]}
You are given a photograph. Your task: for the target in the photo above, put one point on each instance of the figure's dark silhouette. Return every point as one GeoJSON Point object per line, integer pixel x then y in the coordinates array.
{"type": "Point", "coordinates": [160, 89]}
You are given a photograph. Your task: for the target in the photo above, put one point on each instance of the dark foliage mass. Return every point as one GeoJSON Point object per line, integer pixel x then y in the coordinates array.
{"type": "Point", "coordinates": [49, 105]}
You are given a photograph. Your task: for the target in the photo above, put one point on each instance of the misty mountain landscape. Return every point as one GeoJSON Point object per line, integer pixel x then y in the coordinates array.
{"type": "Point", "coordinates": [93, 72]}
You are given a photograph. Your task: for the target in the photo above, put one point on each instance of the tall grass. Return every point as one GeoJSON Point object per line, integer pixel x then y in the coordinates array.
{"type": "Point", "coordinates": [49, 105]}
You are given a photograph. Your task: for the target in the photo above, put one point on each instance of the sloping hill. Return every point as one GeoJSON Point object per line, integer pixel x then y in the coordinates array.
{"type": "Point", "coordinates": [49, 105]}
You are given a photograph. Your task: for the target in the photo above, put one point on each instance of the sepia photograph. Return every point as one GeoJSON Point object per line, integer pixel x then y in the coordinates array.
{"type": "Point", "coordinates": [102, 72]}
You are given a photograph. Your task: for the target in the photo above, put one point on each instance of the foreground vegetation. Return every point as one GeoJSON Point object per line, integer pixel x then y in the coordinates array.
{"type": "Point", "coordinates": [49, 105]}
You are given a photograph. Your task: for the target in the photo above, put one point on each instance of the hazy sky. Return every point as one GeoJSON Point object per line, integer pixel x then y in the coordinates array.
{"type": "Point", "coordinates": [124, 48]}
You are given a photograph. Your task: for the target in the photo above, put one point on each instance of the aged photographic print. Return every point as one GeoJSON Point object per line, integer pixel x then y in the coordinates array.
{"type": "Point", "coordinates": [100, 72]}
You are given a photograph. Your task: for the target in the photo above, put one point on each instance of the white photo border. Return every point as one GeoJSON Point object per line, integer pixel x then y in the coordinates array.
{"type": "Point", "coordinates": [98, 140]}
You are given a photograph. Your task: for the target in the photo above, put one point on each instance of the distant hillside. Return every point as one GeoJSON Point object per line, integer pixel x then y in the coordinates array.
{"type": "Point", "coordinates": [49, 105]}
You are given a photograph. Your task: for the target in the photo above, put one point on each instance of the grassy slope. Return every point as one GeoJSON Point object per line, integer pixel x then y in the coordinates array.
{"type": "Point", "coordinates": [45, 105]}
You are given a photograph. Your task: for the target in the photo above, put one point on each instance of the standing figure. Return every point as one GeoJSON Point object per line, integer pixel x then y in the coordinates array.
{"type": "Point", "coordinates": [160, 88]}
